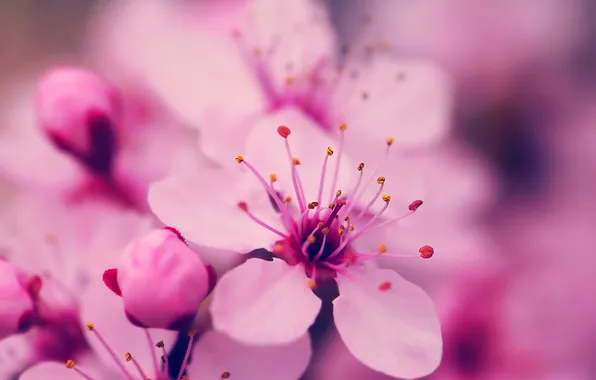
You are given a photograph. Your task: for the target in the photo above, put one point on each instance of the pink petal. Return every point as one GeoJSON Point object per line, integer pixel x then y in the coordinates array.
{"type": "Point", "coordinates": [378, 104]}
{"type": "Point", "coordinates": [262, 302]}
{"type": "Point", "coordinates": [395, 331]}
{"type": "Point", "coordinates": [204, 208]}
{"type": "Point", "coordinates": [216, 353]}
{"type": "Point", "coordinates": [265, 149]}
{"type": "Point", "coordinates": [296, 47]}
{"type": "Point", "coordinates": [103, 308]}
{"type": "Point", "coordinates": [16, 353]}
{"type": "Point", "coordinates": [53, 370]}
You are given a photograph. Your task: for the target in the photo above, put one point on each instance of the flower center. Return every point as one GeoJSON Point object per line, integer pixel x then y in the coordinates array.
{"type": "Point", "coordinates": [320, 238]}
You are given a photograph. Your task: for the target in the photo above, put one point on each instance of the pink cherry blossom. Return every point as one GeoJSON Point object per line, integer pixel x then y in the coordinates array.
{"type": "Point", "coordinates": [314, 213]}
{"type": "Point", "coordinates": [124, 351]}
{"type": "Point", "coordinates": [154, 278]}
{"type": "Point", "coordinates": [72, 132]}
{"type": "Point", "coordinates": [262, 65]}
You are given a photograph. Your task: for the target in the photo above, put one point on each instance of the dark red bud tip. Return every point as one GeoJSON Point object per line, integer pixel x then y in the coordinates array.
{"type": "Point", "coordinates": [414, 205]}
{"type": "Point", "coordinates": [176, 232]}
{"type": "Point", "coordinates": [284, 131]}
{"type": "Point", "coordinates": [34, 286]}
{"type": "Point", "coordinates": [110, 279]}
{"type": "Point", "coordinates": [426, 252]}
{"type": "Point", "coordinates": [212, 275]}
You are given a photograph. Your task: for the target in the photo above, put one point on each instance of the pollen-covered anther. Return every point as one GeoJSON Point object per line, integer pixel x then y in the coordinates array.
{"type": "Point", "coordinates": [288, 200]}
{"type": "Point", "coordinates": [311, 283]}
{"type": "Point", "coordinates": [338, 193]}
{"type": "Point", "coordinates": [389, 141]}
{"type": "Point", "coordinates": [70, 364]}
{"type": "Point", "coordinates": [414, 205]}
{"type": "Point", "coordinates": [386, 198]}
{"type": "Point", "coordinates": [426, 252]}
{"type": "Point", "coordinates": [325, 230]}
{"type": "Point", "coordinates": [160, 344]}
{"type": "Point", "coordinates": [320, 225]}
{"type": "Point", "coordinates": [313, 205]}
{"type": "Point", "coordinates": [360, 166]}
{"type": "Point", "coordinates": [239, 159]}
{"type": "Point", "coordinates": [352, 226]}
{"type": "Point", "coordinates": [385, 286]}
{"type": "Point", "coordinates": [243, 206]}
{"type": "Point", "coordinates": [295, 161]}
{"type": "Point", "coordinates": [341, 230]}
{"type": "Point", "coordinates": [192, 332]}
{"type": "Point", "coordinates": [380, 180]}
{"type": "Point", "coordinates": [343, 127]}
{"type": "Point", "coordinates": [273, 177]}
{"type": "Point", "coordinates": [330, 151]}
{"type": "Point", "coordinates": [283, 131]}
{"type": "Point", "coordinates": [311, 239]}
{"type": "Point", "coordinates": [382, 248]}
{"type": "Point", "coordinates": [90, 326]}
{"type": "Point", "coordinates": [225, 375]}
{"type": "Point", "coordinates": [127, 356]}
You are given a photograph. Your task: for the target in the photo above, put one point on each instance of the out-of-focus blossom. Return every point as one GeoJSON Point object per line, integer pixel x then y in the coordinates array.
{"type": "Point", "coordinates": [319, 238]}
{"type": "Point", "coordinates": [16, 303]}
{"type": "Point", "coordinates": [59, 246]}
{"type": "Point", "coordinates": [83, 137]}
{"type": "Point", "coordinates": [125, 351]}
{"type": "Point", "coordinates": [161, 280]}
{"type": "Point", "coordinates": [261, 65]}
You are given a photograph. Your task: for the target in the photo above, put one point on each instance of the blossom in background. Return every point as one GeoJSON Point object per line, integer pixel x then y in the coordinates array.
{"type": "Point", "coordinates": [59, 246]}
{"type": "Point", "coordinates": [165, 266]}
{"type": "Point", "coordinates": [83, 137]}
{"type": "Point", "coordinates": [313, 212]}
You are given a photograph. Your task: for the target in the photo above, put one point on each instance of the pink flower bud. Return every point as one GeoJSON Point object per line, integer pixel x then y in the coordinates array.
{"type": "Point", "coordinates": [78, 110]}
{"type": "Point", "coordinates": [161, 281]}
{"type": "Point", "coordinates": [16, 302]}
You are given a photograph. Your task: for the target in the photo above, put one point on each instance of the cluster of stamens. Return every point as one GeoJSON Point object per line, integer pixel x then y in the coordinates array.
{"type": "Point", "coordinates": [161, 373]}
{"type": "Point", "coordinates": [319, 237]}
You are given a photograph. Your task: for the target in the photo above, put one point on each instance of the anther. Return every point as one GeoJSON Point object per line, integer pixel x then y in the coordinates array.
{"type": "Point", "coordinates": [273, 177]}
{"type": "Point", "coordinates": [288, 200]}
{"type": "Point", "coordinates": [311, 284]}
{"type": "Point", "coordinates": [313, 205]}
{"type": "Point", "coordinates": [389, 141]}
{"type": "Point", "coordinates": [283, 131]}
{"type": "Point", "coordinates": [330, 151]}
{"type": "Point", "coordinates": [243, 206]}
{"type": "Point", "coordinates": [160, 344]}
{"type": "Point", "coordinates": [192, 332]}
{"type": "Point", "coordinates": [127, 356]}
{"type": "Point", "coordinates": [311, 239]}
{"type": "Point", "coordinates": [385, 286]}
{"type": "Point", "coordinates": [347, 218]}
{"type": "Point", "coordinates": [343, 127]}
{"type": "Point", "coordinates": [295, 161]}
{"type": "Point", "coordinates": [386, 198]}
{"type": "Point", "coordinates": [338, 193]}
{"type": "Point", "coordinates": [325, 230]}
{"type": "Point", "coordinates": [341, 230]}
{"type": "Point", "coordinates": [414, 205]}
{"type": "Point", "coordinates": [380, 180]}
{"type": "Point", "coordinates": [352, 226]}
{"type": "Point", "coordinates": [90, 326]}
{"type": "Point", "coordinates": [426, 252]}
{"type": "Point", "coordinates": [225, 375]}
{"type": "Point", "coordinates": [360, 166]}
{"type": "Point", "coordinates": [364, 95]}
{"type": "Point", "coordinates": [320, 225]}
{"type": "Point", "coordinates": [70, 364]}
{"type": "Point", "coordinates": [239, 159]}
{"type": "Point", "coordinates": [382, 248]}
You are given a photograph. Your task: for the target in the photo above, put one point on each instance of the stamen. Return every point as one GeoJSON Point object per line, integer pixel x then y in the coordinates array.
{"type": "Point", "coordinates": [191, 334]}
{"type": "Point", "coordinates": [385, 286]}
{"type": "Point", "coordinates": [225, 375]}
{"type": "Point", "coordinates": [91, 328]}
{"type": "Point", "coordinates": [70, 364]}
{"type": "Point", "coordinates": [272, 177]}
{"type": "Point", "coordinates": [325, 232]}
{"type": "Point", "coordinates": [323, 174]}
{"type": "Point", "coordinates": [285, 132]}
{"type": "Point", "coordinates": [153, 355]}
{"type": "Point", "coordinates": [380, 181]}
{"type": "Point", "coordinates": [366, 227]}
{"type": "Point", "coordinates": [426, 252]}
{"type": "Point", "coordinates": [342, 129]}
{"type": "Point", "coordinates": [337, 206]}
{"type": "Point", "coordinates": [128, 357]}
{"type": "Point", "coordinates": [166, 365]}
{"type": "Point", "coordinates": [244, 207]}
{"type": "Point", "coordinates": [414, 205]}
{"type": "Point", "coordinates": [382, 248]}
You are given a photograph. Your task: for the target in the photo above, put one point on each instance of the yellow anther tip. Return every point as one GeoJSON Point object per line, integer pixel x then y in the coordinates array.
{"type": "Point", "coordinates": [70, 364]}
{"type": "Point", "coordinates": [127, 356]}
{"type": "Point", "coordinates": [381, 180]}
{"type": "Point", "coordinates": [382, 248]}
{"type": "Point", "coordinates": [386, 198]}
{"type": "Point", "coordinates": [389, 140]}
{"type": "Point", "coordinates": [330, 151]}
{"type": "Point", "coordinates": [239, 159]}
{"type": "Point", "coordinates": [90, 326]}
{"type": "Point", "coordinates": [343, 127]}
{"type": "Point", "coordinates": [273, 177]}
{"type": "Point", "coordinates": [311, 284]}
